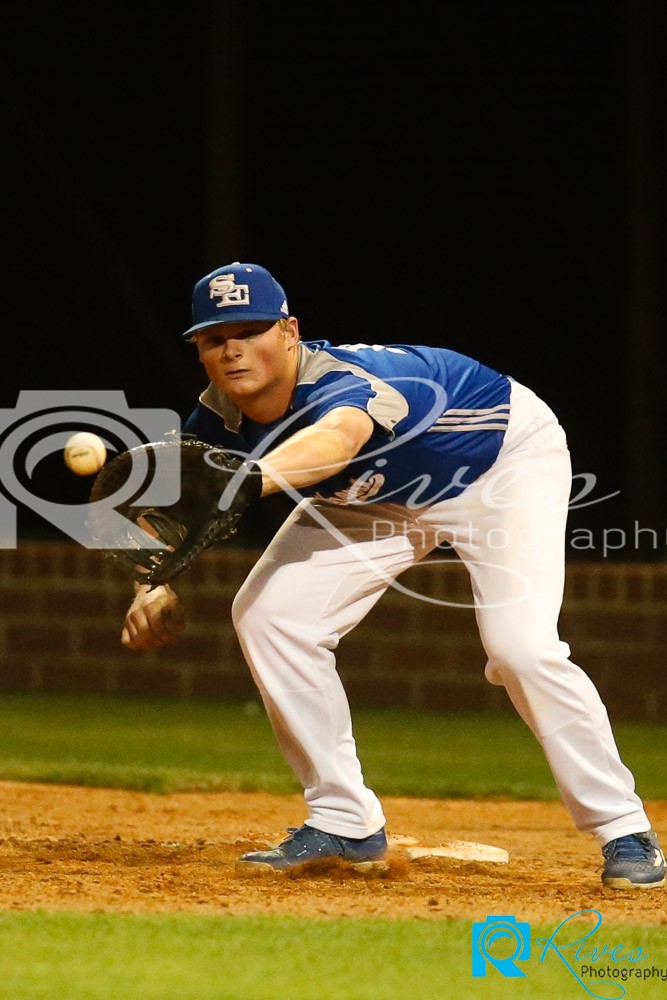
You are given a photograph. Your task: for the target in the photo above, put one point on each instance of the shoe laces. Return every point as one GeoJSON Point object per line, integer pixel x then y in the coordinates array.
{"type": "Point", "coordinates": [634, 847]}
{"type": "Point", "coordinates": [296, 831]}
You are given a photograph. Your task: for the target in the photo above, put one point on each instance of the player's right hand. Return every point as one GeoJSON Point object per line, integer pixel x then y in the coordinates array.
{"type": "Point", "coordinates": [154, 619]}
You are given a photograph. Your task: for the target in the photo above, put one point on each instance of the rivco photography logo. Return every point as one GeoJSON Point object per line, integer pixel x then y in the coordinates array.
{"type": "Point", "coordinates": [500, 941]}
{"type": "Point", "coordinates": [602, 965]}
{"type": "Point", "coordinates": [41, 424]}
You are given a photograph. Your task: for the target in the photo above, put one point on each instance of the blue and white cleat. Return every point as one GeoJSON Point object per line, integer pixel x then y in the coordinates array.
{"type": "Point", "coordinates": [634, 862]}
{"type": "Point", "coordinates": [306, 844]}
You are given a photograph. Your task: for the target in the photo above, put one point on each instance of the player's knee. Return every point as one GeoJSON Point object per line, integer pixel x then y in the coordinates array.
{"type": "Point", "coordinates": [526, 657]}
{"type": "Point", "coordinates": [253, 612]}
{"type": "Point", "coordinates": [513, 657]}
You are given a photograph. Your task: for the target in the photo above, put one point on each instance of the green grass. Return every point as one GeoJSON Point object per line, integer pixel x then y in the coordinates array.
{"type": "Point", "coordinates": [67, 956]}
{"type": "Point", "coordinates": [163, 746]}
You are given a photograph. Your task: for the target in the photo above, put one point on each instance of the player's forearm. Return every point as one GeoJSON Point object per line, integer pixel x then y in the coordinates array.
{"type": "Point", "coordinates": [309, 456]}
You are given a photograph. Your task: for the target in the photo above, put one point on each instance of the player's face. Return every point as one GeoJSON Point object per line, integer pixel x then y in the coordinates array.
{"type": "Point", "coordinates": [247, 360]}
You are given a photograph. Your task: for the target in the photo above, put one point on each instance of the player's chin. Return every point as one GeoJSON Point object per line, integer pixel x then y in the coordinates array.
{"type": "Point", "coordinates": [243, 384]}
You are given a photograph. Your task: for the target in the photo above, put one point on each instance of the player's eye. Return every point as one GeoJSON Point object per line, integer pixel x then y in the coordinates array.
{"type": "Point", "coordinates": [208, 343]}
{"type": "Point", "coordinates": [254, 331]}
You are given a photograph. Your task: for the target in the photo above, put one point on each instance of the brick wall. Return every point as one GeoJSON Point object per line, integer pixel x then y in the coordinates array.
{"type": "Point", "coordinates": [62, 606]}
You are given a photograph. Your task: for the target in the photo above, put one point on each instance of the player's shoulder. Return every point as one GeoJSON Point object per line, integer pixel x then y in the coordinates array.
{"type": "Point", "coordinates": [352, 349]}
{"type": "Point", "coordinates": [318, 354]}
{"type": "Point", "coordinates": [321, 361]}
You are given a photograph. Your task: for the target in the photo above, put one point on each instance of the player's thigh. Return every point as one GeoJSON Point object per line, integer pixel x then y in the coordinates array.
{"type": "Point", "coordinates": [509, 530]}
{"type": "Point", "coordinates": [517, 559]}
{"type": "Point", "coordinates": [329, 561]}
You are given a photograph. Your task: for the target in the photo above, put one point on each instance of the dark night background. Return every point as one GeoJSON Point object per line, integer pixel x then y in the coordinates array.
{"type": "Point", "coordinates": [482, 176]}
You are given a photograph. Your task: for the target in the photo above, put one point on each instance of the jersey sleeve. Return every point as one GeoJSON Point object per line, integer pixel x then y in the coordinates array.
{"type": "Point", "coordinates": [336, 389]}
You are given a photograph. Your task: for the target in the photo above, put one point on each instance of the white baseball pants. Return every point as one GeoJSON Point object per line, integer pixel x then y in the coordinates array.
{"type": "Point", "coordinates": [328, 565]}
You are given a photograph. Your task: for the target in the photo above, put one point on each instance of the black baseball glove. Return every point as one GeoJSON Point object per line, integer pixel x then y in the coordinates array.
{"type": "Point", "coordinates": [155, 507]}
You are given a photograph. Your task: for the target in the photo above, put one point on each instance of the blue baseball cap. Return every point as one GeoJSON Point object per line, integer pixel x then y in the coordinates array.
{"type": "Point", "coordinates": [236, 292]}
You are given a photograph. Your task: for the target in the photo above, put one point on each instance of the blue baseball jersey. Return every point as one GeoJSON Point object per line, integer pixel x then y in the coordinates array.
{"type": "Point", "coordinates": [439, 419]}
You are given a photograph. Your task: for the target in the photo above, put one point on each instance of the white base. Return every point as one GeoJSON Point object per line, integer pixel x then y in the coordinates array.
{"type": "Point", "coordinates": [463, 850]}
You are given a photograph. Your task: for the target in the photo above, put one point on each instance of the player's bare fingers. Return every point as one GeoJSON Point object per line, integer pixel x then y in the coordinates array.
{"type": "Point", "coordinates": [174, 620]}
{"type": "Point", "coordinates": [155, 619]}
{"type": "Point", "coordinates": [138, 633]}
{"type": "Point", "coordinates": [129, 636]}
{"type": "Point", "coordinates": [143, 641]}
{"type": "Point", "coordinates": [157, 623]}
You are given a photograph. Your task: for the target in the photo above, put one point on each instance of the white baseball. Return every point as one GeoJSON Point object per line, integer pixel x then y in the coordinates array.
{"type": "Point", "coordinates": [85, 453]}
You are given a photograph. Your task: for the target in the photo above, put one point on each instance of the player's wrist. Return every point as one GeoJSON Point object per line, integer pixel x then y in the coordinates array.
{"type": "Point", "coordinates": [253, 481]}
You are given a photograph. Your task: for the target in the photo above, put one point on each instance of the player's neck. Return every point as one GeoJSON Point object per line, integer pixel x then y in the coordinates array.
{"type": "Point", "coordinates": [264, 409]}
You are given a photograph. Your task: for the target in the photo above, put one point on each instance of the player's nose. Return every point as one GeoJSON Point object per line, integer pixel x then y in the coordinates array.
{"type": "Point", "coordinates": [232, 348]}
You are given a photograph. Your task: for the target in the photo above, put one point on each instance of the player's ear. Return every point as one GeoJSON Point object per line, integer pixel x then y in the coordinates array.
{"type": "Point", "coordinates": [290, 328]}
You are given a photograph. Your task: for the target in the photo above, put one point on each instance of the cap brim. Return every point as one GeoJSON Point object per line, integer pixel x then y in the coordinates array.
{"type": "Point", "coordinates": [245, 318]}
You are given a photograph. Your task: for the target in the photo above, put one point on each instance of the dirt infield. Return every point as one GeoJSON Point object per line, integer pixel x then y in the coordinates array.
{"type": "Point", "coordinates": [101, 850]}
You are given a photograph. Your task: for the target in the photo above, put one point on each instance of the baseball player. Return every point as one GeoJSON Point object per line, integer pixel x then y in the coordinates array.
{"type": "Point", "coordinates": [390, 450]}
